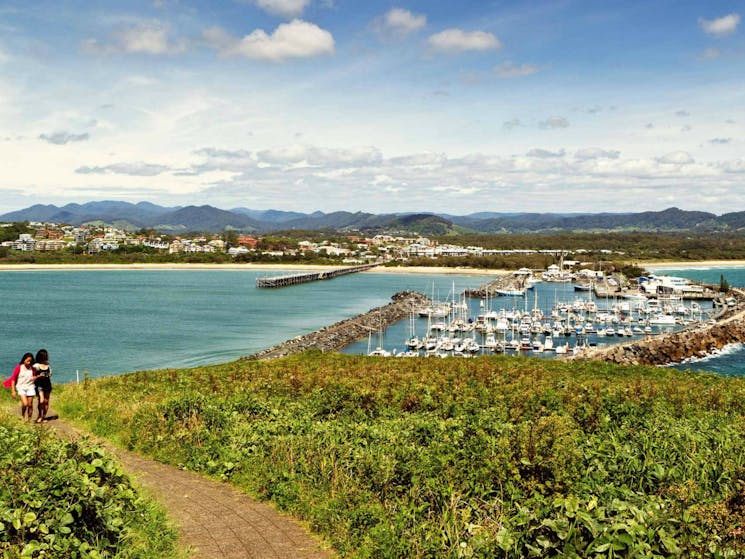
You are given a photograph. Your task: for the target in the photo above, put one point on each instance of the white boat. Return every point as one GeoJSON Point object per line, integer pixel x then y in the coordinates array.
{"type": "Point", "coordinates": [548, 344]}
{"type": "Point", "coordinates": [510, 292]}
{"type": "Point", "coordinates": [663, 320]}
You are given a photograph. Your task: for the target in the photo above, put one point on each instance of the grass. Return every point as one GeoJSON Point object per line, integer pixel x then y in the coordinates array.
{"type": "Point", "coordinates": [486, 457]}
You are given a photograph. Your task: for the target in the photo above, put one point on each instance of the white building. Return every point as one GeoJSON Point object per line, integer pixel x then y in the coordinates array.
{"type": "Point", "coordinates": [25, 243]}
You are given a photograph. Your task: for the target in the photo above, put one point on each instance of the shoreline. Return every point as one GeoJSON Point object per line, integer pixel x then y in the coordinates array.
{"type": "Point", "coordinates": [691, 265]}
{"type": "Point", "coordinates": [441, 270]}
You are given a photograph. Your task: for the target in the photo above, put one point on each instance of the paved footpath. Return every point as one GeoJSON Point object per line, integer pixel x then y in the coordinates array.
{"type": "Point", "coordinates": [215, 519]}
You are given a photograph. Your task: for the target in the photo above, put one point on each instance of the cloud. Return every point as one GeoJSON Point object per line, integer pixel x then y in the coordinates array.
{"type": "Point", "coordinates": [720, 141]}
{"type": "Point", "coordinates": [457, 40]}
{"type": "Point", "coordinates": [710, 54]}
{"type": "Point", "coordinates": [720, 27]}
{"type": "Point", "coordinates": [304, 156]}
{"type": "Point", "coordinates": [735, 166]}
{"type": "Point", "coordinates": [676, 158]}
{"type": "Point", "coordinates": [545, 154]}
{"type": "Point", "coordinates": [512, 123]}
{"type": "Point", "coordinates": [223, 153]}
{"type": "Point", "coordinates": [296, 39]}
{"type": "Point", "coordinates": [649, 126]}
{"type": "Point", "coordinates": [62, 138]}
{"type": "Point", "coordinates": [596, 153]}
{"type": "Point", "coordinates": [143, 38]}
{"type": "Point", "coordinates": [508, 70]}
{"type": "Point", "coordinates": [284, 8]}
{"type": "Point", "coordinates": [399, 23]}
{"type": "Point", "coordinates": [682, 113]}
{"type": "Point", "coordinates": [553, 122]}
{"type": "Point", "coordinates": [132, 169]}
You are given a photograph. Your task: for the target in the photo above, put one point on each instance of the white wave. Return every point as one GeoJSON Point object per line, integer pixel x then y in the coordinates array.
{"type": "Point", "coordinates": [726, 350]}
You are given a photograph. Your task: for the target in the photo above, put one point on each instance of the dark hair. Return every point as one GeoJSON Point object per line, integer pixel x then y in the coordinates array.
{"type": "Point", "coordinates": [42, 356]}
{"type": "Point", "coordinates": [26, 356]}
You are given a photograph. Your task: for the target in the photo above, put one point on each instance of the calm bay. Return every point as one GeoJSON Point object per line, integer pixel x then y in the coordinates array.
{"type": "Point", "coordinates": [115, 321]}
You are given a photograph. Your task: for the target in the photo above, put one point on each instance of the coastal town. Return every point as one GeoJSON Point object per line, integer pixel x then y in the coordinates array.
{"type": "Point", "coordinates": [346, 248]}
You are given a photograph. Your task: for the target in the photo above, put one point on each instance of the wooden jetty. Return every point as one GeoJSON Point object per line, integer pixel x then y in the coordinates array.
{"type": "Point", "coordinates": [305, 277]}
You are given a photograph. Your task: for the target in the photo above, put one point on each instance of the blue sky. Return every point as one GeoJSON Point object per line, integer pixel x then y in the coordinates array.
{"type": "Point", "coordinates": [375, 106]}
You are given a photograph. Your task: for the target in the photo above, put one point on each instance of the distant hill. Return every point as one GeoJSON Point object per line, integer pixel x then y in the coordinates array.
{"type": "Point", "coordinates": [211, 219]}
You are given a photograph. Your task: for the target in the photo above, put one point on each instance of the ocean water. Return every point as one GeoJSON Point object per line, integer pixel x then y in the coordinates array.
{"type": "Point", "coordinates": [110, 322]}
{"type": "Point", "coordinates": [731, 361]}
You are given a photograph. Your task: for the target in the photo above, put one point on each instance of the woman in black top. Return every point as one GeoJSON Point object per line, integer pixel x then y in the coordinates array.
{"type": "Point", "coordinates": [43, 381]}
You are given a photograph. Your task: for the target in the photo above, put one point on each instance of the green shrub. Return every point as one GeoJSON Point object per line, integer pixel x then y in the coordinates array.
{"type": "Point", "coordinates": [486, 457]}
{"type": "Point", "coordinates": [69, 499]}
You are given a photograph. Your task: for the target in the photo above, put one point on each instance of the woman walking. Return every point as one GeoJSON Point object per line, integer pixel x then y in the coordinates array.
{"type": "Point", "coordinates": [23, 384]}
{"type": "Point", "coordinates": [43, 381]}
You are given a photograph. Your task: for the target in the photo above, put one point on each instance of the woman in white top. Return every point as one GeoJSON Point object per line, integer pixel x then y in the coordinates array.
{"type": "Point", "coordinates": [24, 385]}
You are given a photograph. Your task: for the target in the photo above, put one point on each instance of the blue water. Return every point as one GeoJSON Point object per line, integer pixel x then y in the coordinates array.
{"type": "Point", "coordinates": [732, 361]}
{"type": "Point", "coordinates": [110, 322]}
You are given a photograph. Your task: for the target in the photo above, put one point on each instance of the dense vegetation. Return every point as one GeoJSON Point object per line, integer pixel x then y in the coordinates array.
{"type": "Point", "coordinates": [68, 499]}
{"type": "Point", "coordinates": [637, 246]}
{"type": "Point", "coordinates": [486, 457]}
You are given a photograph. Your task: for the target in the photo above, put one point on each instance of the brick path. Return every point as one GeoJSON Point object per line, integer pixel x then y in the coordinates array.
{"type": "Point", "coordinates": [215, 519]}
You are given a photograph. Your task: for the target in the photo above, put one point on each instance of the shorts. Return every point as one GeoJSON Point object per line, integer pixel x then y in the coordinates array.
{"type": "Point", "coordinates": [28, 392]}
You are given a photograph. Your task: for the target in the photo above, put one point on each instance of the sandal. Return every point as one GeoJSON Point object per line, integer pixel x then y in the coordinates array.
{"type": "Point", "coordinates": [39, 420]}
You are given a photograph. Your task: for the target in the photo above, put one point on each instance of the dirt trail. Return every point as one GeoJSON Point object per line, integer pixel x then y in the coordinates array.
{"type": "Point", "coordinates": [215, 520]}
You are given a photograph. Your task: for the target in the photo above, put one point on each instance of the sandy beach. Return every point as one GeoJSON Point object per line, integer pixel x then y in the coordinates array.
{"type": "Point", "coordinates": [692, 265]}
{"type": "Point", "coordinates": [244, 266]}
{"type": "Point", "coordinates": [439, 270]}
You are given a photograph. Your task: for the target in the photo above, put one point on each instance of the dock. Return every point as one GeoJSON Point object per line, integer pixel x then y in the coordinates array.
{"type": "Point", "coordinates": [305, 277]}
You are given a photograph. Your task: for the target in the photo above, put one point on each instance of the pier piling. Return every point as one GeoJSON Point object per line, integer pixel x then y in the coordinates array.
{"type": "Point", "coordinates": [305, 277]}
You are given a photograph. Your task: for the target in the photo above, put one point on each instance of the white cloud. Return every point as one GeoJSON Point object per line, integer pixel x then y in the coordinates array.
{"type": "Point", "coordinates": [132, 169]}
{"type": "Point", "coordinates": [735, 166]}
{"type": "Point", "coordinates": [596, 153]}
{"type": "Point", "coordinates": [510, 70]}
{"type": "Point", "coordinates": [676, 158]}
{"type": "Point", "coordinates": [296, 39]}
{"type": "Point", "coordinates": [682, 113]}
{"type": "Point", "coordinates": [284, 8]}
{"type": "Point", "coordinates": [61, 138]}
{"type": "Point", "coordinates": [457, 40]}
{"type": "Point", "coordinates": [720, 27]}
{"type": "Point", "coordinates": [399, 22]}
{"type": "Point", "coordinates": [553, 122]}
{"type": "Point", "coordinates": [143, 38]}
{"type": "Point", "coordinates": [720, 141]}
{"type": "Point", "coordinates": [545, 153]}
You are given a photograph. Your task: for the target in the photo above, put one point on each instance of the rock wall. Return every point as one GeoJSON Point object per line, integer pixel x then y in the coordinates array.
{"type": "Point", "coordinates": [341, 334]}
{"type": "Point", "coordinates": [677, 346]}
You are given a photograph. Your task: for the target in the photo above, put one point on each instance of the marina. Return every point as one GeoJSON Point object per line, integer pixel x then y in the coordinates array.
{"type": "Point", "coordinates": [547, 319]}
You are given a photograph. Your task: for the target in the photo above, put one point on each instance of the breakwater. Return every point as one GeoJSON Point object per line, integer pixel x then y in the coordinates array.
{"type": "Point", "coordinates": [676, 347]}
{"type": "Point", "coordinates": [342, 333]}
{"type": "Point", "coordinates": [503, 281]}
{"type": "Point", "coordinates": [305, 277]}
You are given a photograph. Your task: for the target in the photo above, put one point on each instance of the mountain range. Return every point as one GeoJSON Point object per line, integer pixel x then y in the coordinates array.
{"type": "Point", "coordinates": [210, 219]}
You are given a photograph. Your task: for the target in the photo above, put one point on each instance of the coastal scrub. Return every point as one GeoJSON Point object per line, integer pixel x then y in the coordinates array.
{"type": "Point", "coordinates": [485, 457]}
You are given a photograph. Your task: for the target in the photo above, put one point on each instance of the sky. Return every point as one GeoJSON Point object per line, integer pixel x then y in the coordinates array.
{"type": "Point", "coordinates": [376, 106]}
